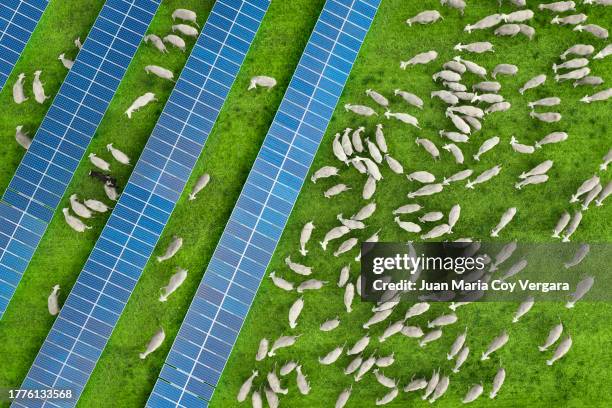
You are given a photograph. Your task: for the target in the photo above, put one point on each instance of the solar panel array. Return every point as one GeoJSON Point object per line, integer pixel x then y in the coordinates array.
{"type": "Point", "coordinates": [18, 19]}
{"type": "Point", "coordinates": [89, 315]}
{"type": "Point", "coordinates": [203, 345]}
{"type": "Point", "coordinates": [62, 139]}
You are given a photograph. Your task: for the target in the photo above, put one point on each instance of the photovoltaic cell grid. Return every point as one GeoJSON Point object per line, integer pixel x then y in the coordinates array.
{"type": "Point", "coordinates": [62, 139]}
{"type": "Point", "coordinates": [89, 315]}
{"type": "Point", "coordinates": [205, 340]}
{"type": "Point", "coordinates": [18, 19]}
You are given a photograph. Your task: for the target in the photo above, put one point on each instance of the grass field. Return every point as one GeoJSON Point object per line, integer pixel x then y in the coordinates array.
{"type": "Point", "coordinates": [122, 378]}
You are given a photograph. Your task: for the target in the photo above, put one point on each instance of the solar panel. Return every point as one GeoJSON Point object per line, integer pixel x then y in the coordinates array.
{"type": "Point", "coordinates": [88, 317]}
{"type": "Point", "coordinates": [206, 337]}
{"type": "Point", "coordinates": [18, 19]}
{"type": "Point", "coordinates": [62, 139]}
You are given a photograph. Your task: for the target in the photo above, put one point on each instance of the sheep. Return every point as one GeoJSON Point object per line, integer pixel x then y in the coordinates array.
{"type": "Point", "coordinates": [353, 365]}
{"type": "Point", "coordinates": [449, 76]}
{"type": "Point", "coordinates": [537, 179]}
{"type": "Point", "coordinates": [476, 47]}
{"type": "Point", "coordinates": [498, 381]}
{"type": "Point", "coordinates": [393, 329]}
{"type": "Point", "coordinates": [185, 15]}
{"type": "Point", "coordinates": [561, 224]}
{"type": "Point", "coordinates": [275, 384]}
{"type": "Point", "coordinates": [118, 154]}
{"type": "Point", "coordinates": [431, 384]}
{"type": "Point", "coordinates": [455, 151]}
{"type": "Point", "coordinates": [420, 59]}
{"type": "Point", "coordinates": [52, 301]}
{"type": "Point", "coordinates": [380, 139]}
{"type": "Point", "coordinates": [329, 325]}
{"type": "Point", "coordinates": [507, 30]}
{"type": "Point", "coordinates": [185, 29]}
{"type": "Point", "coordinates": [558, 7]}
{"type": "Point", "coordinates": [153, 344]}
{"type": "Point", "coordinates": [271, 398]}
{"type": "Point", "coordinates": [404, 117]}
{"type": "Point", "coordinates": [488, 98]}
{"type": "Point", "coordinates": [174, 283]}
{"type": "Point", "coordinates": [18, 93]}
{"type": "Point", "coordinates": [421, 177]}
{"type": "Point", "coordinates": [437, 232]}
{"type": "Point", "coordinates": [262, 351]}
{"type": "Point", "coordinates": [324, 172]}
{"type": "Point", "coordinates": [572, 226]}
{"type": "Point", "coordinates": [334, 233]}
{"type": "Point", "coordinates": [407, 209]}
{"type": "Point", "coordinates": [578, 257]}
{"type": "Point", "coordinates": [356, 139]}
{"type": "Point", "coordinates": [346, 144]}
{"type": "Point", "coordinates": [456, 4]}
{"type": "Point", "coordinates": [360, 110]}
{"type": "Point", "coordinates": [571, 64]}
{"type": "Point", "coordinates": [594, 29]}
{"type": "Point", "coordinates": [365, 367]}
{"type": "Point", "coordinates": [527, 31]}
{"type": "Point", "coordinates": [569, 20]}
{"type": "Point", "coordinates": [408, 226]}
{"type": "Point", "coordinates": [445, 96]}
{"type": "Point", "coordinates": [454, 136]}
{"type": "Point", "coordinates": [550, 101]}
{"type": "Point", "coordinates": [96, 205]}
{"type": "Point", "coordinates": [561, 350]}
{"type": "Point", "coordinates": [505, 219]}
{"type": "Point", "coordinates": [599, 96]}
{"type": "Point", "coordinates": [343, 397]}
{"type": "Point", "coordinates": [103, 178]}
{"type": "Point", "coordinates": [171, 250]}
{"type": "Point", "coordinates": [484, 23]}
{"type": "Point", "coordinates": [425, 17]}
{"type": "Point", "coordinates": [345, 247]}
{"type": "Point", "coordinates": [541, 168]}
{"type": "Point", "coordinates": [581, 289]}
{"type": "Point", "coordinates": [22, 137]}
{"type": "Point", "coordinates": [575, 74]}
{"type": "Point", "coordinates": [73, 222]}
{"type": "Point", "coordinates": [473, 393]}
{"type": "Point", "coordinates": [175, 41]}
{"type": "Point", "coordinates": [387, 398]}
{"type": "Point", "coordinates": [111, 191]}
{"type": "Point", "coordinates": [305, 237]}
{"type": "Point", "coordinates": [294, 312]}
{"type": "Point", "coordinates": [336, 190]}
{"type": "Point", "coordinates": [498, 107]}
{"type": "Point", "coordinates": [484, 176]}
{"type": "Point", "coordinates": [582, 50]}
{"type": "Point", "coordinates": [394, 165]}
{"type": "Point", "coordinates": [585, 187]}
{"type": "Point", "coordinates": [38, 88]}
{"type": "Point", "coordinates": [605, 51]}
{"type": "Point", "coordinates": [67, 63]}
{"type": "Point", "coordinates": [467, 110]}
{"type": "Point", "coordinates": [349, 294]}
{"type": "Point", "coordinates": [282, 342]}
{"type": "Point", "coordinates": [140, 102]}
{"type": "Point", "coordinates": [377, 97]}
{"type": "Point", "coordinates": [471, 66]}
{"type": "Point", "coordinates": [431, 216]}
{"type": "Point", "coordinates": [533, 83]}
{"type": "Point", "coordinates": [460, 124]}
{"type": "Point", "coordinates": [519, 16]}
{"type": "Point", "coordinates": [459, 176]}
{"type": "Point", "coordinates": [486, 146]}
{"type": "Point", "coordinates": [157, 42]}
{"type": "Point", "coordinates": [332, 356]}
{"type": "Point", "coordinates": [429, 147]}
{"type": "Point", "coordinates": [495, 345]}
{"type": "Point", "coordinates": [280, 282]}
{"type": "Point", "coordinates": [261, 81]}
{"type": "Point", "coordinates": [200, 184]}
{"type": "Point", "coordinates": [441, 388]}
{"type": "Point", "coordinates": [160, 72]}
{"type": "Point", "coordinates": [77, 43]}
{"type": "Point", "coordinates": [547, 117]}
{"type": "Point", "coordinates": [461, 357]}
{"type": "Point", "coordinates": [374, 151]}
{"type": "Point", "coordinates": [413, 332]}
{"type": "Point", "coordinates": [603, 194]}
{"type": "Point", "coordinates": [504, 69]}
{"type": "Point", "coordinates": [487, 86]}
{"type": "Point", "coordinates": [298, 268]}
{"type": "Point", "coordinates": [415, 385]}
{"type": "Point", "coordinates": [429, 337]}
{"type": "Point", "coordinates": [79, 209]}
{"type": "Point", "coordinates": [256, 400]}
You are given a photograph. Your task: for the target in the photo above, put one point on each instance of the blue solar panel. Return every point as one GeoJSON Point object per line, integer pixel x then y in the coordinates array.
{"type": "Point", "coordinates": [131, 233]}
{"type": "Point", "coordinates": [18, 19]}
{"type": "Point", "coordinates": [61, 140]}
{"type": "Point", "coordinates": [205, 340]}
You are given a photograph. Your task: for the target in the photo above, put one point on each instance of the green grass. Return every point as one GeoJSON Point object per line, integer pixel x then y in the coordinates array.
{"type": "Point", "coordinates": [577, 381]}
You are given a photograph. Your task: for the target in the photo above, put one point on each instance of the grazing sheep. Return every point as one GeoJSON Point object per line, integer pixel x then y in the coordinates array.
{"type": "Point", "coordinates": [111, 191]}
{"type": "Point", "coordinates": [185, 15]}
{"type": "Point", "coordinates": [356, 139]}
{"type": "Point", "coordinates": [606, 160]}
{"type": "Point", "coordinates": [200, 184]}
{"type": "Point", "coordinates": [541, 168]}
{"type": "Point", "coordinates": [459, 176]}
{"type": "Point", "coordinates": [558, 7]}
{"type": "Point", "coordinates": [454, 136]}
{"type": "Point", "coordinates": [140, 102]}
{"type": "Point", "coordinates": [561, 350]}
{"type": "Point", "coordinates": [505, 219]}
{"type": "Point", "coordinates": [429, 147]}
{"type": "Point", "coordinates": [573, 226]}
{"type": "Point", "coordinates": [377, 97]}
{"type": "Point", "coordinates": [336, 190]}
{"type": "Point", "coordinates": [484, 176]}
{"type": "Point", "coordinates": [519, 16]}
{"type": "Point", "coordinates": [495, 345]}
{"type": "Point", "coordinates": [507, 30]}
{"type": "Point", "coordinates": [174, 283]}
{"type": "Point", "coordinates": [185, 29]}
{"type": "Point", "coordinates": [498, 107]}
{"type": "Point", "coordinates": [498, 381]}
{"type": "Point", "coordinates": [118, 154]}
{"type": "Point", "coordinates": [77, 43]}
{"type": "Point", "coordinates": [445, 96]}
{"type": "Point", "coordinates": [581, 50]}
{"type": "Point", "coordinates": [334, 233]}
{"type": "Point", "coordinates": [298, 268]}
{"type": "Point", "coordinates": [449, 76]}
{"type": "Point", "coordinates": [575, 74]}
{"type": "Point", "coordinates": [38, 88]}
{"type": "Point", "coordinates": [504, 69]}
{"type": "Point", "coordinates": [294, 312]}
{"type": "Point", "coordinates": [160, 72]}
{"type": "Point", "coordinates": [605, 51]}
{"type": "Point", "coordinates": [486, 146]}
{"type": "Point", "coordinates": [461, 357]}
{"type": "Point", "coordinates": [394, 165]}
{"type": "Point", "coordinates": [533, 83]}
{"type": "Point", "coordinates": [456, 66]}
{"type": "Point", "coordinates": [96, 206]}
{"type": "Point", "coordinates": [455, 4]}
{"type": "Point", "coordinates": [52, 301]}
{"type": "Point", "coordinates": [67, 63]}
{"type": "Point", "coordinates": [79, 209]}
{"type": "Point", "coordinates": [594, 29]}
{"type": "Point", "coordinates": [280, 282]}
{"type": "Point", "coordinates": [537, 179]}
{"type": "Point", "coordinates": [455, 151]}
{"type": "Point", "coordinates": [156, 341]}
{"type": "Point", "coordinates": [550, 101]}
{"type": "Point", "coordinates": [73, 222]}
{"type": "Point", "coordinates": [18, 93]}
{"type": "Point", "coordinates": [330, 325]}
{"type": "Point", "coordinates": [473, 67]}
{"type": "Point", "coordinates": [282, 342]}
{"type": "Point", "coordinates": [172, 248]}
{"type": "Point", "coordinates": [346, 144]}
{"type": "Point", "coordinates": [404, 117]}
{"type": "Point", "coordinates": [22, 137]}
{"type": "Point", "coordinates": [437, 232]}
{"type": "Point", "coordinates": [175, 41]}
{"type": "Point", "coordinates": [547, 117]}
{"type": "Point", "coordinates": [569, 20]}
{"type": "Point", "coordinates": [262, 81]}
{"type": "Point", "coordinates": [157, 42]}
{"type": "Point", "coordinates": [425, 17]}
{"type": "Point", "coordinates": [408, 226]}
{"type": "Point", "coordinates": [343, 397]}
{"type": "Point", "coordinates": [561, 224]}
{"type": "Point", "coordinates": [103, 178]}
{"type": "Point", "coordinates": [476, 47]}
{"type": "Point", "coordinates": [599, 96]}
{"type": "Point", "coordinates": [324, 172]}
{"type": "Point", "coordinates": [360, 110]}
{"type": "Point", "coordinates": [571, 64]}
{"type": "Point", "coordinates": [420, 59]}
{"type": "Point", "coordinates": [486, 22]}
{"type": "Point", "coordinates": [607, 190]}
{"type": "Point", "coordinates": [582, 289]}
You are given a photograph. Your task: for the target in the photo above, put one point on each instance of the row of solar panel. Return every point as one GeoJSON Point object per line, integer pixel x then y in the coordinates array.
{"type": "Point", "coordinates": [214, 319]}
{"type": "Point", "coordinates": [127, 241]}
{"type": "Point", "coordinates": [18, 19]}
{"type": "Point", "coordinates": [45, 171]}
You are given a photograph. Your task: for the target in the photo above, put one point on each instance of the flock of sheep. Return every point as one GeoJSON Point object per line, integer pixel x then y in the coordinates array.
{"type": "Point", "coordinates": [367, 155]}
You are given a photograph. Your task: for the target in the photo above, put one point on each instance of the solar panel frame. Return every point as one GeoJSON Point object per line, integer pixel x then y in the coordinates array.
{"type": "Point", "coordinates": [204, 342]}
{"type": "Point", "coordinates": [60, 142]}
{"type": "Point", "coordinates": [18, 19]}
{"type": "Point", "coordinates": [113, 268]}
